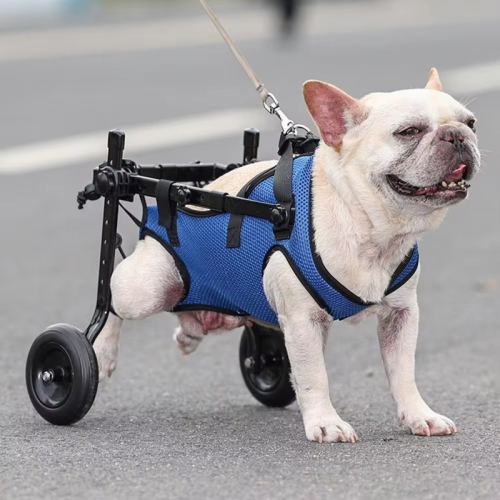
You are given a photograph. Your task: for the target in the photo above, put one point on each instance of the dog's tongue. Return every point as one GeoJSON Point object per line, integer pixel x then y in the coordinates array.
{"type": "Point", "coordinates": [457, 174]}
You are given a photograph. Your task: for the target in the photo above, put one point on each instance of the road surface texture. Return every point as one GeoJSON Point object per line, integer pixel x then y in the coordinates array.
{"type": "Point", "coordinates": [168, 426]}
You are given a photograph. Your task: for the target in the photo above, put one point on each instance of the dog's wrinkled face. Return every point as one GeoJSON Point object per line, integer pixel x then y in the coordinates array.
{"type": "Point", "coordinates": [418, 148]}
{"type": "Point", "coordinates": [428, 145]}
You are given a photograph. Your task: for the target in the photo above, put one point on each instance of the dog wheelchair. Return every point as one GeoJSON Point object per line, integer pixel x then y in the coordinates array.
{"type": "Point", "coordinates": [62, 373]}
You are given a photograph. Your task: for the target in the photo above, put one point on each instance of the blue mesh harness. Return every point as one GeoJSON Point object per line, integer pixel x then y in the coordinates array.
{"type": "Point", "coordinates": [229, 280]}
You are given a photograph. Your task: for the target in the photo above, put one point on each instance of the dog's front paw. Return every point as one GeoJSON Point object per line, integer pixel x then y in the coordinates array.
{"type": "Point", "coordinates": [427, 423]}
{"type": "Point", "coordinates": [106, 351]}
{"type": "Point", "coordinates": [329, 430]}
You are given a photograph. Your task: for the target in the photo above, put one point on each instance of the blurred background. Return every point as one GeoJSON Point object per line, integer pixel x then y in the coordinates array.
{"type": "Point", "coordinates": [168, 426]}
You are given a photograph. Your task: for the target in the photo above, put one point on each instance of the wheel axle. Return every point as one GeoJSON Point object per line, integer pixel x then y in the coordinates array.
{"type": "Point", "coordinates": [249, 363]}
{"type": "Point", "coordinates": [48, 376]}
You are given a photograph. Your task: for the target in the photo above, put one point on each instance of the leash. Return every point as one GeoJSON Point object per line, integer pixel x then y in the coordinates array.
{"type": "Point", "coordinates": [269, 101]}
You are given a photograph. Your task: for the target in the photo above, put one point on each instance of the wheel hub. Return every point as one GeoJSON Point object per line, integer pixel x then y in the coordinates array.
{"type": "Point", "coordinates": [265, 367]}
{"type": "Point", "coordinates": [52, 380]}
{"type": "Point", "coordinates": [266, 370]}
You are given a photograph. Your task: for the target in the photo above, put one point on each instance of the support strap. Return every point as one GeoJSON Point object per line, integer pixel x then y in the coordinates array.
{"type": "Point", "coordinates": [282, 189]}
{"type": "Point", "coordinates": [233, 239]}
{"type": "Point", "coordinates": [167, 210]}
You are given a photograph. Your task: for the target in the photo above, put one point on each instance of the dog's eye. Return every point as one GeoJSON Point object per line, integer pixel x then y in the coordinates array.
{"type": "Point", "coordinates": [409, 132]}
{"type": "Point", "coordinates": [472, 124]}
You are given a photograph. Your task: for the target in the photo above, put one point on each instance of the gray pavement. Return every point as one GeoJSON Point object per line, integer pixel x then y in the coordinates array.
{"type": "Point", "coordinates": [166, 426]}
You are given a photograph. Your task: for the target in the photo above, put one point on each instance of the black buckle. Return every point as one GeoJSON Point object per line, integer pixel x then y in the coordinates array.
{"type": "Point", "coordinates": [301, 144]}
{"type": "Point", "coordinates": [283, 219]}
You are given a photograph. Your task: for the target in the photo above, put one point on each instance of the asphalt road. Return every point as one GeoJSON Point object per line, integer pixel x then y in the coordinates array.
{"type": "Point", "coordinates": [166, 426]}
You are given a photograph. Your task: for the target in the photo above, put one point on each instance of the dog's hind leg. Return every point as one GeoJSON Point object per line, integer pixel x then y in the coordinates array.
{"type": "Point", "coordinates": [145, 283]}
{"type": "Point", "coordinates": [194, 325]}
{"type": "Point", "coordinates": [189, 333]}
{"type": "Point", "coordinates": [106, 346]}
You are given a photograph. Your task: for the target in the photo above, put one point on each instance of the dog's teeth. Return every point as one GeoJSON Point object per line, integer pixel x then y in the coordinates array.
{"type": "Point", "coordinates": [451, 184]}
{"type": "Point", "coordinates": [444, 184]}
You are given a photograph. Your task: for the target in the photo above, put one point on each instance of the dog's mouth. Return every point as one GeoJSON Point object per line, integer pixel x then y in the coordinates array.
{"type": "Point", "coordinates": [450, 187]}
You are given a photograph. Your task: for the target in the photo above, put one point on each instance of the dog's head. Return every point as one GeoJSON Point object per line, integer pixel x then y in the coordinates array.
{"type": "Point", "coordinates": [416, 149]}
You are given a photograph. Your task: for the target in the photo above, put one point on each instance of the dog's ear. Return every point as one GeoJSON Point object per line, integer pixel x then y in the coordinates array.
{"type": "Point", "coordinates": [333, 111]}
{"type": "Point", "coordinates": [434, 82]}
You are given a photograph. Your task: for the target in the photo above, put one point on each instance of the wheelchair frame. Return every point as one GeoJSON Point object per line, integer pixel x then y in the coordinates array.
{"type": "Point", "coordinates": [62, 369]}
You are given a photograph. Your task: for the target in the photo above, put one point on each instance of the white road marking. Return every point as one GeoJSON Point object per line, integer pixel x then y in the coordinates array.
{"type": "Point", "coordinates": [468, 80]}
{"type": "Point", "coordinates": [472, 80]}
{"type": "Point", "coordinates": [166, 134]}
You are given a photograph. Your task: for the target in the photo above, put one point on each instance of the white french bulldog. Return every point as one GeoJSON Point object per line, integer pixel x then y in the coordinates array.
{"type": "Point", "coordinates": [386, 171]}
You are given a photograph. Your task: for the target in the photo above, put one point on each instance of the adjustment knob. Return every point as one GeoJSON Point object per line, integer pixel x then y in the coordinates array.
{"type": "Point", "coordinates": [183, 196]}
{"type": "Point", "coordinates": [102, 183]}
{"type": "Point", "coordinates": [278, 215]}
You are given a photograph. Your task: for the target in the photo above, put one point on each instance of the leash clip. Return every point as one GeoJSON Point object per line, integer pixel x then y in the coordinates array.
{"type": "Point", "coordinates": [272, 106]}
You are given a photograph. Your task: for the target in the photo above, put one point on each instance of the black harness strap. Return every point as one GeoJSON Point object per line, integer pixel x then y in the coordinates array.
{"type": "Point", "coordinates": [282, 189]}
{"type": "Point", "coordinates": [282, 214]}
{"type": "Point", "coordinates": [236, 220]}
{"type": "Point", "coordinates": [167, 210]}
{"type": "Point", "coordinates": [233, 239]}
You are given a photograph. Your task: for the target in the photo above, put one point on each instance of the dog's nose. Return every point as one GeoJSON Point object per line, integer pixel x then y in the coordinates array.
{"type": "Point", "coordinates": [453, 135]}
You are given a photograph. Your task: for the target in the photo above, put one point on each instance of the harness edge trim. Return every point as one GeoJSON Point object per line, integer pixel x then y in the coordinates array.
{"type": "Point", "coordinates": [312, 292]}
{"type": "Point", "coordinates": [186, 278]}
{"type": "Point", "coordinates": [408, 276]}
{"type": "Point", "coordinates": [191, 307]}
{"type": "Point", "coordinates": [339, 287]}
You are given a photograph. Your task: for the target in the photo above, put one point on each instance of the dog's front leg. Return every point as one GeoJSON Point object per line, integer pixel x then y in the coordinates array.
{"type": "Point", "coordinates": [305, 327]}
{"type": "Point", "coordinates": [397, 332]}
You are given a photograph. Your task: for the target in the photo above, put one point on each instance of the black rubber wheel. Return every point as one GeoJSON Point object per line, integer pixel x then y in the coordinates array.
{"type": "Point", "coordinates": [267, 376]}
{"type": "Point", "coordinates": [62, 375]}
